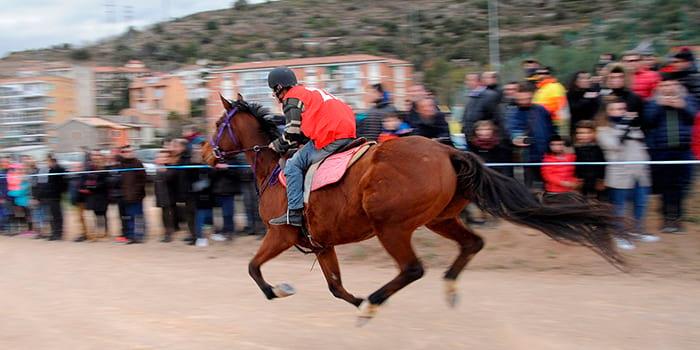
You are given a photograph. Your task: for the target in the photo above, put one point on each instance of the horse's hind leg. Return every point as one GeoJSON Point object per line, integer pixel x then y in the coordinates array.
{"type": "Point", "coordinates": [331, 270]}
{"type": "Point", "coordinates": [469, 244]}
{"type": "Point", "coordinates": [398, 244]}
{"type": "Point", "coordinates": [274, 243]}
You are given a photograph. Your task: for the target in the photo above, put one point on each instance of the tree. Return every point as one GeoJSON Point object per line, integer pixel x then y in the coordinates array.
{"type": "Point", "coordinates": [198, 108]}
{"type": "Point", "coordinates": [212, 25]}
{"type": "Point", "coordinates": [175, 124]}
{"type": "Point", "coordinates": [240, 5]}
{"type": "Point", "coordinates": [80, 55]}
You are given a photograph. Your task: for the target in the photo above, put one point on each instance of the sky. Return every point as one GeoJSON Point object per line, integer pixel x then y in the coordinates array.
{"type": "Point", "coordinates": [34, 24]}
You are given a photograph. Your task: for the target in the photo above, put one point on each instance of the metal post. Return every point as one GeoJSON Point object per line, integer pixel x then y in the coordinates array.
{"type": "Point", "coordinates": [494, 50]}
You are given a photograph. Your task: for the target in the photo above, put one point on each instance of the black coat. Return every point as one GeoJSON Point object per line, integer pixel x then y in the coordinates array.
{"type": "Point", "coordinates": [484, 105]}
{"type": "Point", "coordinates": [589, 174]}
{"type": "Point", "coordinates": [201, 188]}
{"type": "Point", "coordinates": [57, 184]}
{"type": "Point", "coordinates": [96, 191]}
{"type": "Point", "coordinates": [582, 108]}
{"type": "Point", "coordinates": [225, 182]}
{"type": "Point", "coordinates": [500, 153]}
{"type": "Point", "coordinates": [433, 128]}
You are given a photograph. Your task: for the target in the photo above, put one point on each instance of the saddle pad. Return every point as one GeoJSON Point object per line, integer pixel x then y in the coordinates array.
{"type": "Point", "coordinates": [330, 170]}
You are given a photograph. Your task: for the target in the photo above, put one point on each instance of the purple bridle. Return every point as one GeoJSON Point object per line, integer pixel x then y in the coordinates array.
{"type": "Point", "coordinates": [224, 155]}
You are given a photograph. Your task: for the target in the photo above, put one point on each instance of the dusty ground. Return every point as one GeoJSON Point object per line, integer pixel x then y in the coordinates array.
{"type": "Point", "coordinates": [522, 292]}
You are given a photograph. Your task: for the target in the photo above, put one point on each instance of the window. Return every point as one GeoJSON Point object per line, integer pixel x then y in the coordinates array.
{"type": "Point", "coordinates": [310, 79]}
{"type": "Point", "coordinates": [346, 83]}
{"type": "Point", "coordinates": [253, 86]}
{"type": "Point", "coordinates": [373, 73]}
{"type": "Point", "coordinates": [159, 93]}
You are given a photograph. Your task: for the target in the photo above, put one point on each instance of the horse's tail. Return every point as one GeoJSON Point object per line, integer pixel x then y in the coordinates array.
{"type": "Point", "coordinates": [572, 219]}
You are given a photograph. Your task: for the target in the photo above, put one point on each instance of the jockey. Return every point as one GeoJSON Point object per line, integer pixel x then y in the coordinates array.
{"type": "Point", "coordinates": [309, 112]}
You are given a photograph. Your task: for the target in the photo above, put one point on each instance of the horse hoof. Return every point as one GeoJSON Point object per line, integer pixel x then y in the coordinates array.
{"type": "Point", "coordinates": [451, 295]}
{"type": "Point", "coordinates": [283, 290]}
{"type": "Point", "coordinates": [367, 312]}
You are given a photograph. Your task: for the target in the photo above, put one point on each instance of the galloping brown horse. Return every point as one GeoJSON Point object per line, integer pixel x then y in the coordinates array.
{"type": "Point", "coordinates": [397, 187]}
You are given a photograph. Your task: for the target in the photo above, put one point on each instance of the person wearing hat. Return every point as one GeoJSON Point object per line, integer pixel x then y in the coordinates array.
{"type": "Point", "coordinates": [551, 95]}
{"type": "Point", "coordinates": [686, 72]}
{"type": "Point", "coordinates": [328, 122]}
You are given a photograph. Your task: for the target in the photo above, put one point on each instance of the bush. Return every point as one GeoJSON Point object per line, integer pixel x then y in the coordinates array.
{"type": "Point", "coordinates": [80, 55]}
{"type": "Point", "coordinates": [212, 25]}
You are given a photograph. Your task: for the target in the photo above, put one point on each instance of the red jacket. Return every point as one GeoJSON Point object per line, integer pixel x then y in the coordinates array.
{"type": "Point", "coordinates": [553, 175]}
{"type": "Point", "coordinates": [644, 83]}
{"type": "Point", "coordinates": [324, 118]}
{"type": "Point", "coordinates": [695, 138]}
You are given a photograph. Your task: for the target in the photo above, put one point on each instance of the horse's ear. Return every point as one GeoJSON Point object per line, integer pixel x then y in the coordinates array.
{"type": "Point", "coordinates": [239, 98]}
{"type": "Point", "coordinates": [228, 105]}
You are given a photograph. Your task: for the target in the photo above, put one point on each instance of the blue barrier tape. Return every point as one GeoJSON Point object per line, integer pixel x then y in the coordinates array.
{"type": "Point", "coordinates": [236, 166]}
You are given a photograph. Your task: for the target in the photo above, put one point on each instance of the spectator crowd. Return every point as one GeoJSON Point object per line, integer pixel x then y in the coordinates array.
{"type": "Point", "coordinates": [635, 108]}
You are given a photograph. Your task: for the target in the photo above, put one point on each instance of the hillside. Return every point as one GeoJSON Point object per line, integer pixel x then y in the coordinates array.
{"type": "Point", "coordinates": [442, 35]}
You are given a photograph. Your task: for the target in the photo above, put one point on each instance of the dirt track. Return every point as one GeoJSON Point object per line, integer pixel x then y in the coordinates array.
{"type": "Point", "coordinates": [522, 292]}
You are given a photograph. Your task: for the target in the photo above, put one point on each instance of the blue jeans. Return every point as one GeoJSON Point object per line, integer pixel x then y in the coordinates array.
{"type": "Point", "coordinates": [638, 195]}
{"type": "Point", "coordinates": [296, 167]}
{"type": "Point", "coordinates": [226, 203]}
{"type": "Point", "coordinates": [133, 218]}
{"type": "Point", "coordinates": [202, 217]}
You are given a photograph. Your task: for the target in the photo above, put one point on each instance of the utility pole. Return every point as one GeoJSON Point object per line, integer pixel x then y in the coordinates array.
{"type": "Point", "coordinates": [494, 50]}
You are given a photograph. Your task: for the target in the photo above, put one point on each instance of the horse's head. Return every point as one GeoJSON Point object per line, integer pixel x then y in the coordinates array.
{"type": "Point", "coordinates": [242, 127]}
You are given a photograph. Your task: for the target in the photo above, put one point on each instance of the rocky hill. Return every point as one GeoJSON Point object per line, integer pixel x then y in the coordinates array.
{"type": "Point", "coordinates": [442, 35]}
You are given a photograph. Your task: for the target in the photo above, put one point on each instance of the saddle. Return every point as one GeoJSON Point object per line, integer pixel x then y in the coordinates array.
{"type": "Point", "coordinates": [331, 169]}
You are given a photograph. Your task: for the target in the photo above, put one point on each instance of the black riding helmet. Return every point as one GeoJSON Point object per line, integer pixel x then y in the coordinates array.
{"type": "Point", "coordinates": [280, 78]}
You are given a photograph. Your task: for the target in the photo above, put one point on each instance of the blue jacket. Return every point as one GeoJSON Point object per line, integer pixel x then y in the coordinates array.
{"type": "Point", "coordinates": [534, 122]}
{"type": "Point", "coordinates": [669, 128]}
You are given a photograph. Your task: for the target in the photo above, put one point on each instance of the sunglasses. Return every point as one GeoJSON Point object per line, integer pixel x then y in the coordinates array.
{"type": "Point", "coordinates": [632, 60]}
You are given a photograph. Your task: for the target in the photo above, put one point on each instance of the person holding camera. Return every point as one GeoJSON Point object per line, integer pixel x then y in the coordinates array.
{"type": "Point", "coordinates": [622, 140]}
{"type": "Point", "coordinates": [669, 119]}
{"type": "Point", "coordinates": [530, 127]}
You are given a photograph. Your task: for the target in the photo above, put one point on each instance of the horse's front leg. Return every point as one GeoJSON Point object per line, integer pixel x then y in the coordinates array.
{"type": "Point", "coordinates": [275, 242]}
{"type": "Point", "coordinates": [329, 264]}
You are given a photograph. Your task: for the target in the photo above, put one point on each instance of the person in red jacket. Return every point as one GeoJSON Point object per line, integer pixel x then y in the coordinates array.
{"type": "Point", "coordinates": [695, 138]}
{"type": "Point", "coordinates": [559, 178]}
{"type": "Point", "coordinates": [328, 122]}
{"type": "Point", "coordinates": [644, 80]}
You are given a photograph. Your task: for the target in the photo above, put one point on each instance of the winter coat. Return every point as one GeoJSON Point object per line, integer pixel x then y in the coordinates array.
{"type": "Point", "coordinates": [553, 175]}
{"type": "Point", "coordinates": [57, 184]}
{"type": "Point", "coordinates": [224, 182]}
{"type": "Point", "coordinates": [581, 107]}
{"type": "Point", "coordinates": [498, 153]}
{"type": "Point", "coordinates": [534, 122]}
{"type": "Point", "coordinates": [161, 189]}
{"type": "Point", "coordinates": [695, 143]}
{"type": "Point", "coordinates": [552, 96]}
{"type": "Point", "coordinates": [589, 174]}
{"type": "Point", "coordinates": [634, 102]}
{"type": "Point", "coordinates": [644, 82]}
{"type": "Point", "coordinates": [690, 79]}
{"type": "Point", "coordinates": [371, 125]}
{"type": "Point", "coordinates": [133, 182]}
{"type": "Point", "coordinates": [669, 128]}
{"type": "Point", "coordinates": [433, 128]}
{"type": "Point", "coordinates": [482, 104]}
{"type": "Point", "coordinates": [201, 188]}
{"type": "Point", "coordinates": [96, 190]}
{"type": "Point", "coordinates": [619, 143]}
{"type": "Point", "coordinates": [21, 194]}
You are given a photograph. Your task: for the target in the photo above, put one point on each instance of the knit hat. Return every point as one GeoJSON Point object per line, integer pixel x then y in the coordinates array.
{"type": "Point", "coordinates": [685, 55]}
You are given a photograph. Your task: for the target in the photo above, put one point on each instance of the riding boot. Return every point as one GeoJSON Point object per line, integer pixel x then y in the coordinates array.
{"type": "Point", "coordinates": [293, 217]}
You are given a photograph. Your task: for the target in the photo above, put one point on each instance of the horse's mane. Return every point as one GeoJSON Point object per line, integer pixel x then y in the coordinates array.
{"type": "Point", "coordinates": [263, 116]}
